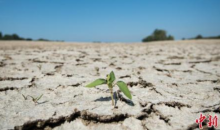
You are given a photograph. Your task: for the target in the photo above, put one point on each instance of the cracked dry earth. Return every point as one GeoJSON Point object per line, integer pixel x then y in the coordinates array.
{"type": "Point", "coordinates": [171, 83]}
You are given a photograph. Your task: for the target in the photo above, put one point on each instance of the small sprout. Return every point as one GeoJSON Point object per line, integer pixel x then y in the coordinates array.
{"type": "Point", "coordinates": [110, 78]}
{"type": "Point", "coordinates": [25, 97]}
{"type": "Point", "coordinates": [34, 99]}
{"type": "Point", "coordinates": [7, 57]}
{"type": "Point", "coordinates": [39, 67]}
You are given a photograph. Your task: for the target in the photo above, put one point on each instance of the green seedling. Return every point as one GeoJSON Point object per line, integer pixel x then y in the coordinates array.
{"type": "Point", "coordinates": [110, 82]}
{"type": "Point", "coordinates": [39, 67]}
{"type": "Point", "coordinates": [34, 99]}
{"type": "Point", "coordinates": [25, 97]}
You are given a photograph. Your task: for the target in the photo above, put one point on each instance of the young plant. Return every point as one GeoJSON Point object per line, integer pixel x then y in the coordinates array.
{"type": "Point", "coordinates": [25, 97]}
{"type": "Point", "coordinates": [39, 67]}
{"type": "Point", "coordinates": [109, 81]}
{"type": "Point", "coordinates": [34, 99]}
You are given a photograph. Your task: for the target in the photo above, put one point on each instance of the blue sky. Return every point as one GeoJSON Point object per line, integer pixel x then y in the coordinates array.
{"type": "Point", "coordinates": [108, 20]}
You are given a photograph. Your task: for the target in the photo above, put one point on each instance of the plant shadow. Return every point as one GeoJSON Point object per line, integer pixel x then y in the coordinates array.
{"type": "Point", "coordinates": [42, 102]}
{"type": "Point", "coordinates": [103, 99]}
{"type": "Point", "coordinates": [116, 98]}
{"type": "Point", "coordinates": [121, 98]}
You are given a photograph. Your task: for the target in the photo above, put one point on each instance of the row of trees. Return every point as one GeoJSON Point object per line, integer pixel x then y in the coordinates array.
{"type": "Point", "coordinates": [161, 35]}
{"type": "Point", "coordinates": [16, 37]}
{"type": "Point", "coordinates": [12, 37]}
{"type": "Point", "coordinates": [201, 37]}
{"type": "Point", "coordinates": [158, 35]}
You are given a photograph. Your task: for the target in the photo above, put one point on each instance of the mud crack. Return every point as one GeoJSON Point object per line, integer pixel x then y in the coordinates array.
{"type": "Point", "coordinates": [217, 110]}
{"type": "Point", "coordinates": [84, 115]}
{"type": "Point", "coordinates": [151, 110]}
{"type": "Point", "coordinates": [58, 68]}
{"type": "Point", "coordinates": [2, 64]}
{"type": "Point", "coordinates": [143, 83]}
{"type": "Point", "coordinates": [174, 104]}
{"type": "Point", "coordinates": [75, 85]}
{"type": "Point", "coordinates": [217, 89]}
{"type": "Point", "coordinates": [204, 61]}
{"type": "Point", "coordinates": [126, 76]}
{"type": "Point", "coordinates": [12, 78]}
{"type": "Point", "coordinates": [41, 61]}
{"type": "Point", "coordinates": [32, 82]}
{"type": "Point", "coordinates": [8, 88]}
{"type": "Point", "coordinates": [160, 70]}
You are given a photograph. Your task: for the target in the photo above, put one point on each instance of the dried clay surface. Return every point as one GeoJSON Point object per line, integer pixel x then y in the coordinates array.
{"type": "Point", "coordinates": [171, 83]}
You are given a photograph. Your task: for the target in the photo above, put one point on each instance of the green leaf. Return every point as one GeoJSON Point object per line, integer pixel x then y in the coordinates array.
{"type": "Point", "coordinates": [108, 78]}
{"type": "Point", "coordinates": [123, 87]}
{"type": "Point", "coordinates": [39, 97]}
{"type": "Point", "coordinates": [24, 97]}
{"type": "Point", "coordinates": [96, 83]}
{"type": "Point", "coordinates": [112, 77]}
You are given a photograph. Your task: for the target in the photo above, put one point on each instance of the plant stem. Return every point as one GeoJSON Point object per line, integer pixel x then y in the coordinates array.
{"type": "Point", "coordinates": [111, 89]}
{"type": "Point", "coordinates": [112, 96]}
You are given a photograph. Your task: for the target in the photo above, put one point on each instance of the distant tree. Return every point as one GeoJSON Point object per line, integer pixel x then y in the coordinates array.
{"type": "Point", "coordinates": [158, 35]}
{"type": "Point", "coordinates": [42, 39]}
{"type": "Point", "coordinates": [12, 37]}
{"type": "Point", "coordinates": [7, 37]}
{"type": "Point", "coordinates": [147, 39]}
{"type": "Point", "coordinates": [212, 37]}
{"type": "Point", "coordinates": [170, 37]}
{"type": "Point", "coordinates": [15, 37]}
{"type": "Point", "coordinates": [28, 39]}
{"type": "Point", "coordinates": [183, 38]}
{"type": "Point", "coordinates": [97, 42]}
{"type": "Point", "coordinates": [198, 37]}
{"type": "Point", "coordinates": [21, 38]}
{"type": "Point", "coordinates": [0, 35]}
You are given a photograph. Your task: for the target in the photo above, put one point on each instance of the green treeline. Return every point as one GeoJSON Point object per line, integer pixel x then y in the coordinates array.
{"type": "Point", "coordinates": [158, 35]}
{"type": "Point", "coordinates": [12, 37]}
{"type": "Point", "coordinates": [16, 37]}
{"type": "Point", "coordinates": [201, 37]}
{"type": "Point", "coordinates": [161, 35]}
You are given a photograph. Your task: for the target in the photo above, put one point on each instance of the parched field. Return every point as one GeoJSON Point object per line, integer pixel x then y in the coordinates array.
{"type": "Point", "coordinates": [171, 83]}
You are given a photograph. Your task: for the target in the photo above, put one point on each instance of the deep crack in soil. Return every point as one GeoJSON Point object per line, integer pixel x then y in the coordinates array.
{"type": "Point", "coordinates": [84, 115]}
